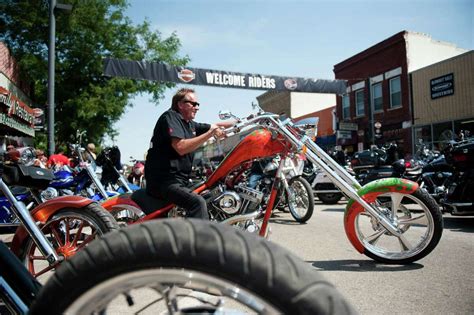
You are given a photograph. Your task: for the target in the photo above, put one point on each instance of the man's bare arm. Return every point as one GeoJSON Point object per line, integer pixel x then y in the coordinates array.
{"type": "Point", "coordinates": [185, 146]}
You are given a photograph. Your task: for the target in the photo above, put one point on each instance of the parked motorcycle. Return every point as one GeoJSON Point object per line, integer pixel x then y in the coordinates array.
{"type": "Point", "coordinates": [378, 163]}
{"type": "Point", "coordinates": [388, 230]}
{"type": "Point", "coordinates": [112, 177]}
{"type": "Point", "coordinates": [295, 192]}
{"type": "Point", "coordinates": [82, 180]}
{"type": "Point", "coordinates": [69, 222]}
{"type": "Point", "coordinates": [459, 198]}
{"type": "Point", "coordinates": [435, 177]}
{"type": "Point", "coordinates": [321, 184]}
{"type": "Point", "coordinates": [190, 278]}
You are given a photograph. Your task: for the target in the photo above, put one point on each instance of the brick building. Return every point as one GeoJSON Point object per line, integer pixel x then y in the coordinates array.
{"type": "Point", "coordinates": [377, 107]}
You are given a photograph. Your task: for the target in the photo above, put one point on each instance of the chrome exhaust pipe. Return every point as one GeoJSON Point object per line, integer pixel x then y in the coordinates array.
{"type": "Point", "coordinates": [241, 218]}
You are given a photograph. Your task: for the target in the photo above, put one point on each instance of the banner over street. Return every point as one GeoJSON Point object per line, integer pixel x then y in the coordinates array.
{"type": "Point", "coordinates": [157, 71]}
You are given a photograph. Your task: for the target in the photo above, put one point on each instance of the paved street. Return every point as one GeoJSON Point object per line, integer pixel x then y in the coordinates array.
{"type": "Point", "coordinates": [441, 283]}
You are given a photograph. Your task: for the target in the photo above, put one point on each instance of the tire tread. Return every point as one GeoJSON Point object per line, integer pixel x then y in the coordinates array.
{"type": "Point", "coordinates": [252, 262]}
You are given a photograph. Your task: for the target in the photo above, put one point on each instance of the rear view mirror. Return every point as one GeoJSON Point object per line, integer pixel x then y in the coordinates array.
{"type": "Point", "coordinates": [225, 114]}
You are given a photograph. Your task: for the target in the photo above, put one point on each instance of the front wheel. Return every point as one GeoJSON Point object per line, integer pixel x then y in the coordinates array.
{"type": "Point", "coordinates": [300, 199]}
{"type": "Point", "coordinates": [178, 266]}
{"type": "Point", "coordinates": [417, 217]}
{"type": "Point", "coordinates": [69, 230]}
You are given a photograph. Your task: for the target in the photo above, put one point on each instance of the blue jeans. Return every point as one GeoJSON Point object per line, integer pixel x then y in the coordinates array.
{"type": "Point", "coordinates": [253, 179]}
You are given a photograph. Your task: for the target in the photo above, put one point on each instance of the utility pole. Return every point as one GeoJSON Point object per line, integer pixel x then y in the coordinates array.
{"type": "Point", "coordinates": [51, 66]}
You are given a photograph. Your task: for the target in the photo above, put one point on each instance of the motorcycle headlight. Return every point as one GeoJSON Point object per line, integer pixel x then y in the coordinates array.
{"type": "Point", "coordinates": [27, 156]}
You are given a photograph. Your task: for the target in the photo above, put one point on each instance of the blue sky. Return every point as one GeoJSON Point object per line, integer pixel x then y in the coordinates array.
{"type": "Point", "coordinates": [288, 38]}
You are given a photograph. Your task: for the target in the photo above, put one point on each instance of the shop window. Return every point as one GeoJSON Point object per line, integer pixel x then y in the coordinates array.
{"type": "Point", "coordinates": [359, 96]}
{"type": "Point", "coordinates": [395, 93]}
{"type": "Point", "coordinates": [423, 136]}
{"type": "Point", "coordinates": [346, 107]}
{"type": "Point", "coordinates": [465, 126]}
{"type": "Point", "coordinates": [442, 134]}
{"type": "Point", "coordinates": [377, 97]}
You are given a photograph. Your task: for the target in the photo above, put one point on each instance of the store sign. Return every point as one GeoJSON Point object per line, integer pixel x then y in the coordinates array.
{"type": "Point", "coordinates": [348, 126]}
{"type": "Point", "coordinates": [442, 86]}
{"type": "Point", "coordinates": [344, 134]}
{"type": "Point", "coordinates": [18, 116]}
{"type": "Point", "coordinates": [14, 124]}
{"type": "Point", "coordinates": [16, 108]}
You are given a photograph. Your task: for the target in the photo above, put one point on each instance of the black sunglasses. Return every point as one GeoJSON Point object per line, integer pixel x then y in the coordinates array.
{"type": "Point", "coordinates": [191, 102]}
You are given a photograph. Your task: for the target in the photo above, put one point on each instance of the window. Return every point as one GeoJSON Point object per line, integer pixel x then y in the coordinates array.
{"type": "Point", "coordinates": [377, 99]}
{"type": "Point", "coordinates": [346, 107]}
{"type": "Point", "coordinates": [442, 134]}
{"type": "Point", "coordinates": [395, 93]}
{"type": "Point", "coordinates": [359, 96]}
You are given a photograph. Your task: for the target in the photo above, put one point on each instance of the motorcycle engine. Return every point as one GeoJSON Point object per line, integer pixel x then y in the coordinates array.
{"type": "Point", "coordinates": [231, 202]}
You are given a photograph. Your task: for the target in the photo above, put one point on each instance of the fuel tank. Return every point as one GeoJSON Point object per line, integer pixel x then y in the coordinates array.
{"type": "Point", "coordinates": [260, 143]}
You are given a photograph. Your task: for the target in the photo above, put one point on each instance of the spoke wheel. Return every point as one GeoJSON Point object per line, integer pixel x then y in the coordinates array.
{"type": "Point", "coordinates": [69, 231]}
{"type": "Point", "coordinates": [301, 199]}
{"type": "Point", "coordinates": [419, 223]}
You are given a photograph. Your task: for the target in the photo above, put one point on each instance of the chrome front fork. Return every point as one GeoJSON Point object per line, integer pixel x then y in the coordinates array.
{"type": "Point", "coordinates": [339, 176]}
{"type": "Point", "coordinates": [25, 218]}
{"type": "Point", "coordinates": [96, 180]}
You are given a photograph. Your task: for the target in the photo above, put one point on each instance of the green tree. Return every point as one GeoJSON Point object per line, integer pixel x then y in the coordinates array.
{"type": "Point", "coordinates": [92, 31]}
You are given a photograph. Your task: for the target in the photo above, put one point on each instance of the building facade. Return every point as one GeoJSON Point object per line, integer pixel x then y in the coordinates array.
{"type": "Point", "coordinates": [443, 100]}
{"type": "Point", "coordinates": [326, 134]}
{"type": "Point", "coordinates": [17, 118]}
{"type": "Point", "coordinates": [377, 107]}
{"type": "Point", "coordinates": [295, 104]}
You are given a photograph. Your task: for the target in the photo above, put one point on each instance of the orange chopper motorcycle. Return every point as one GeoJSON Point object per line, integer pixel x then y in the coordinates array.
{"type": "Point", "coordinates": [390, 220]}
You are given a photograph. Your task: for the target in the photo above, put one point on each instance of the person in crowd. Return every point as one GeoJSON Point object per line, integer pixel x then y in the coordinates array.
{"type": "Point", "coordinates": [170, 157]}
{"type": "Point", "coordinates": [41, 160]}
{"type": "Point", "coordinates": [58, 160]}
{"type": "Point", "coordinates": [91, 149]}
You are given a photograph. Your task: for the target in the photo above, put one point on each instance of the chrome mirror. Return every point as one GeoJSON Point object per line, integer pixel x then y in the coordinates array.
{"type": "Point", "coordinates": [225, 114]}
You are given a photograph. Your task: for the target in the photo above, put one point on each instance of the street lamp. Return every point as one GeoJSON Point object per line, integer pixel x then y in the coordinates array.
{"type": "Point", "coordinates": [51, 59]}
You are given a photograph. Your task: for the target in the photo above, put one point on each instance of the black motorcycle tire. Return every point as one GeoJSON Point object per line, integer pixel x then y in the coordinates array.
{"type": "Point", "coordinates": [329, 198]}
{"type": "Point", "coordinates": [93, 212]}
{"type": "Point", "coordinates": [250, 262]}
{"type": "Point", "coordinates": [309, 191]}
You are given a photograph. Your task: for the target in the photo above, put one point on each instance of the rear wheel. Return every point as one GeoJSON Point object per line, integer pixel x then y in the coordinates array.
{"type": "Point", "coordinates": [187, 266]}
{"type": "Point", "coordinates": [69, 230]}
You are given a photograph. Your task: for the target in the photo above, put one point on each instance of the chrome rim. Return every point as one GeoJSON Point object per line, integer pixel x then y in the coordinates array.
{"type": "Point", "coordinates": [298, 200]}
{"type": "Point", "coordinates": [68, 233]}
{"type": "Point", "coordinates": [169, 291]}
{"type": "Point", "coordinates": [412, 218]}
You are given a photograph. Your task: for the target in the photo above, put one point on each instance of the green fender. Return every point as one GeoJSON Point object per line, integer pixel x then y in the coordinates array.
{"type": "Point", "coordinates": [369, 193]}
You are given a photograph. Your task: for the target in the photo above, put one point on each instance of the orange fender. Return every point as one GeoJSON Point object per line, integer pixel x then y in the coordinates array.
{"type": "Point", "coordinates": [43, 212]}
{"type": "Point", "coordinates": [123, 199]}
